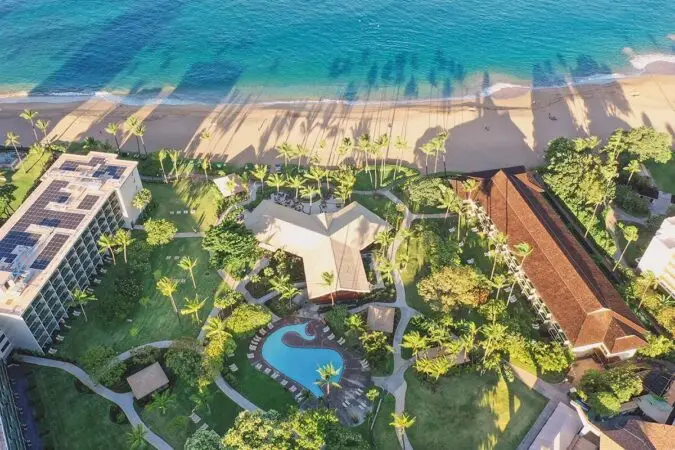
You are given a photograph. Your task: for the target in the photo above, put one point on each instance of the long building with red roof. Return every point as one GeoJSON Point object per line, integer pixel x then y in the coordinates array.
{"type": "Point", "coordinates": [582, 306]}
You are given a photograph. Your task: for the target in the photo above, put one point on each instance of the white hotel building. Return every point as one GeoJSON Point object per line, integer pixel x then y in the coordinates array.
{"type": "Point", "coordinates": [660, 255]}
{"type": "Point", "coordinates": [48, 248]}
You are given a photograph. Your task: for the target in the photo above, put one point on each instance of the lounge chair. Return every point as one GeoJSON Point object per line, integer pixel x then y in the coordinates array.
{"type": "Point", "coordinates": [233, 367]}
{"type": "Point", "coordinates": [275, 375]}
{"type": "Point", "coordinates": [330, 337]}
{"type": "Point", "coordinates": [263, 332]}
{"type": "Point", "coordinates": [250, 355]}
{"type": "Point", "coordinates": [267, 371]}
{"type": "Point", "coordinates": [284, 382]}
{"type": "Point", "coordinates": [252, 347]}
{"type": "Point", "coordinates": [258, 366]}
{"type": "Point", "coordinates": [326, 329]}
{"type": "Point", "coordinates": [341, 341]}
{"type": "Point", "coordinates": [292, 389]}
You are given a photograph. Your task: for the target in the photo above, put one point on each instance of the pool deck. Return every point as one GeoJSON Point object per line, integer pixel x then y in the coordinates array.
{"type": "Point", "coordinates": [349, 400]}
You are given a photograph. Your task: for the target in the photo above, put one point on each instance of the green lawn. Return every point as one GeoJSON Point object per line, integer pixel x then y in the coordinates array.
{"type": "Point", "coordinates": [259, 388]}
{"type": "Point", "coordinates": [73, 420]}
{"type": "Point", "coordinates": [470, 411]}
{"type": "Point", "coordinates": [26, 176]}
{"type": "Point", "coordinates": [383, 435]}
{"type": "Point", "coordinates": [155, 320]}
{"type": "Point", "coordinates": [175, 427]}
{"type": "Point", "coordinates": [664, 175]}
{"type": "Point", "coordinates": [381, 206]}
{"type": "Point", "coordinates": [186, 195]}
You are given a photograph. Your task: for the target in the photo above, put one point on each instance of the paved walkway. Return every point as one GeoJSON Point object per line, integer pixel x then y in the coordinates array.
{"type": "Point", "coordinates": [128, 354]}
{"type": "Point", "coordinates": [124, 401]}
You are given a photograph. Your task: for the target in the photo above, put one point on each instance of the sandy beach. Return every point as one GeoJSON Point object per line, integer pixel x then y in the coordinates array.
{"type": "Point", "coordinates": [508, 128]}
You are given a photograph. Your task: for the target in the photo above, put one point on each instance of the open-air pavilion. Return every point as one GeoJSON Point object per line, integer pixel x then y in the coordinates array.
{"type": "Point", "coordinates": [148, 380]}
{"type": "Point", "coordinates": [229, 185]}
{"type": "Point", "coordinates": [328, 243]}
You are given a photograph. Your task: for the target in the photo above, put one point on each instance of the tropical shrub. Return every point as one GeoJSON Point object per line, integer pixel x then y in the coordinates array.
{"type": "Point", "coordinates": [631, 202]}
{"type": "Point", "coordinates": [451, 287]}
{"type": "Point", "coordinates": [604, 404]}
{"type": "Point", "coordinates": [183, 359]}
{"type": "Point", "coordinates": [232, 247]}
{"type": "Point", "coordinates": [247, 318]}
{"type": "Point", "coordinates": [159, 231]}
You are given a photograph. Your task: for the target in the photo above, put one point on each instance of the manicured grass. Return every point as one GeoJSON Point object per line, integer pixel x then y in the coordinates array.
{"type": "Point", "coordinates": [175, 426]}
{"type": "Point", "coordinates": [186, 195]}
{"type": "Point", "coordinates": [27, 176]}
{"type": "Point", "coordinates": [73, 420]}
{"type": "Point", "coordinates": [664, 175]}
{"type": "Point", "coordinates": [259, 388]}
{"type": "Point", "coordinates": [153, 319]}
{"type": "Point", "coordinates": [383, 434]}
{"type": "Point", "coordinates": [470, 411]}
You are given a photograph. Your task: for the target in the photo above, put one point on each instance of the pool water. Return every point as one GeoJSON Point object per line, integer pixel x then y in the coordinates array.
{"type": "Point", "coordinates": [297, 363]}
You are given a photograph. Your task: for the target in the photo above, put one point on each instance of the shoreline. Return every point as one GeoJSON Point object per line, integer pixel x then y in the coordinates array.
{"type": "Point", "coordinates": [510, 127]}
{"type": "Point", "coordinates": [643, 65]}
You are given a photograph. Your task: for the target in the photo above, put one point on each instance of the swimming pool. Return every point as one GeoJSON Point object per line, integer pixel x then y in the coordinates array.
{"type": "Point", "coordinates": [298, 363]}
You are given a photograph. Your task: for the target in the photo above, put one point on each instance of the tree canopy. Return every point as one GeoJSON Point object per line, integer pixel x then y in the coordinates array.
{"type": "Point", "coordinates": [159, 231]}
{"type": "Point", "coordinates": [232, 247]}
{"type": "Point", "coordinates": [453, 286]}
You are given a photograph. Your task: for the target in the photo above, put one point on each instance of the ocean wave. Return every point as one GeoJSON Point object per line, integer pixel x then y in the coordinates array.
{"type": "Point", "coordinates": [641, 62]}
{"type": "Point", "coordinates": [638, 62]}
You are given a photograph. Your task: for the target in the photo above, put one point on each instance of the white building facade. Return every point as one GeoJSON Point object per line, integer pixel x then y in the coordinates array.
{"type": "Point", "coordinates": [48, 248]}
{"type": "Point", "coordinates": [660, 255]}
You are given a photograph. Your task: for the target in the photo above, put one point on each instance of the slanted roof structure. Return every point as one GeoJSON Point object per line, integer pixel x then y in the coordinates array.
{"type": "Point", "coordinates": [148, 380]}
{"type": "Point", "coordinates": [436, 352]}
{"type": "Point", "coordinates": [559, 431]}
{"type": "Point", "coordinates": [231, 184]}
{"type": "Point", "coordinates": [381, 318]}
{"type": "Point", "coordinates": [639, 435]}
{"type": "Point", "coordinates": [580, 297]}
{"type": "Point", "coordinates": [326, 242]}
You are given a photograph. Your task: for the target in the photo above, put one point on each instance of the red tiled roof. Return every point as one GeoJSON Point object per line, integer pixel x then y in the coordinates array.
{"type": "Point", "coordinates": [580, 297]}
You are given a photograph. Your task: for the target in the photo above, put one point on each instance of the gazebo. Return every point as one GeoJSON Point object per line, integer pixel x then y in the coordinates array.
{"type": "Point", "coordinates": [148, 380]}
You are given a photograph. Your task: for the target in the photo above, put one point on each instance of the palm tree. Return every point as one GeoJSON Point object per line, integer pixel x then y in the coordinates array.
{"type": "Point", "coordinates": [132, 125]}
{"type": "Point", "coordinates": [402, 422]}
{"type": "Point", "coordinates": [260, 172]}
{"type": "Point", "coordinates": [401, 145]}
{"type": "Point", "coordinates": [650, 280]}
{"type": "Point", "coordinates": [205, 136]}
{"type": "Point", "coordinates": [112, 129]}
{"type": "Point", "coordinates": [327, 373]}
{"type": "Point", "coordinates": [81, 298]}
{"type": "Point", "coordinates": [286, 151]}
{"type": "Point", "coordinates": [188, 264]}
{"type": "Point", "coordinates": [123, 239]}
{"type": "Point", "coordinates": [174, 155]}
{"type": "Point", "coordinates": [523, 250]}
{"type": "Point", "coordinates": [139, 132]}
{"type": "Point", "coordinates": [206, 165]}
{"type": "Point", "coordinates": [136, 438]}
{"type": "Point", "coordinates": [499, 282]}
{"type": "Point", "coordinates": [294, 182]}
{"type": "Point", "coordinates": [415, 342]}
{"type": "Point", "coordinates": [215, 327]}
{"type": "Point", "coordinates": [498, 240]}
{"type": "Point", "coordinates": [201, 399]}
{"type": "Point", "coordinates": [346, 146]}
{"type": "Point", "coordinates": [632, 168]}
{"type": "Point", "coordinates": [276, 180]}
{"type": "Point", "coordinates": [161, 155]}
{"type": "Point", "coordinates": [289, 293]}
{"type": "Point", "coordinates": [384, 240]}
{"type": "Point", "coordinates": [365, 146]}
{"type": "Point", "coordinates": [309, 192]}
{"type": "Point", "coordinates": [161, 401]}
{"type": "Point", "coordinates": [382, 143]}
{"type": "Point", "coordinates": [167, 286]}
{"type": "Point", "coordinates": [90, 144]}
{"type": "Point", "coordinates": [386, 268]}
{"type": "Point", "coordinates": [428, 149]}
{"type": "Point", "coordinates": [315, 173]}
{"type": "Point", "coordinates": [328, 280]}
{"type": "Point", "coordinates": [13, 140]}
{"type": "Point", "coordinates": [30, 116]}
{"type": "Point", "coordinates": [354, 323]}
{"type": "Point", "coordinates": [193, 306]}
{"type": "Point", "coordinates": [439, 146]}
{"type": "Point", "coordinates": [299, 152]}
{"type": "Point", "coordinates": [494, 335]}
{"type": "Point", "coordinates": [630, 234]}
{"type": "Point", "coordinates": [470, 186]}
{"type": "Point", "coordinates": [42, 125]}
{"type": "Point", "coordinates": [107, 243]}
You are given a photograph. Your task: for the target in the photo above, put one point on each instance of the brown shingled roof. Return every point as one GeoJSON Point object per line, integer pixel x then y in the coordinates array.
{"type": "Point", "coordinates": [580, 297]}
{"type": "Point", "coordinates": [641, 435]}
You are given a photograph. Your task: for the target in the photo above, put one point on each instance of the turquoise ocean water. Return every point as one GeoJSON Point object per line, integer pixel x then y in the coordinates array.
{"type": "Point", "coordinates": [266, 50]}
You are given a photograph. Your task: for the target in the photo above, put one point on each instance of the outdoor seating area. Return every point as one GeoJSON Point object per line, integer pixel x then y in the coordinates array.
{"type": "Point", "coordinates": [327, 205]}
{"type": "Point", "coordinates": [354, 378]}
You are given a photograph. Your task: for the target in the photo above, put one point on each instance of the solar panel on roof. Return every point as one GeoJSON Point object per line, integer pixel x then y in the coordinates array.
{"type": "Point", "coordinates": [88, 202]}
{"type": "Point", "coordinates": [49, 252]}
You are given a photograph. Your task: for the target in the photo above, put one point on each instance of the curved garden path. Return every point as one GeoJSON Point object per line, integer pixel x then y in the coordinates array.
{"type": "Point", "coordinates": [124, 401]}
